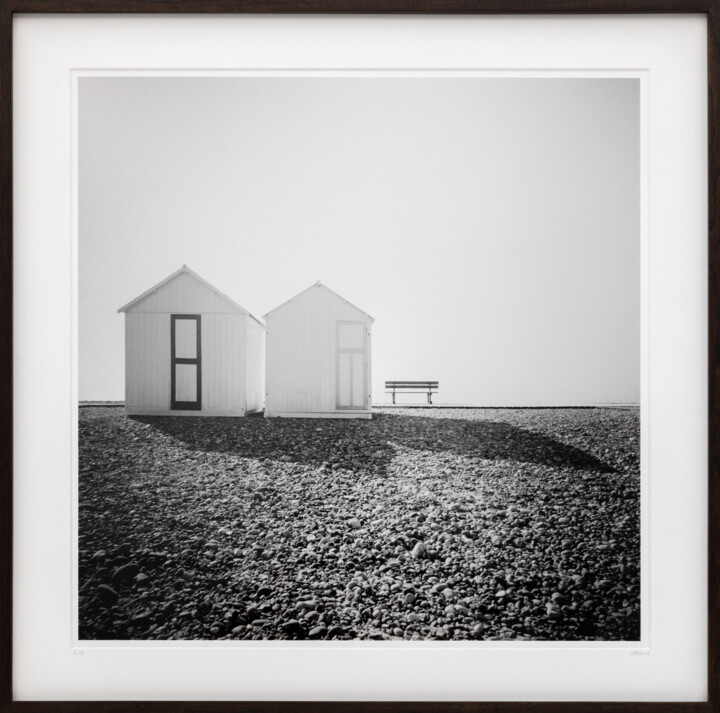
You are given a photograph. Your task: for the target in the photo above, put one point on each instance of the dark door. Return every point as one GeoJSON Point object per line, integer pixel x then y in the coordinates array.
{"type": "Point", "coordinates": [185, 368]}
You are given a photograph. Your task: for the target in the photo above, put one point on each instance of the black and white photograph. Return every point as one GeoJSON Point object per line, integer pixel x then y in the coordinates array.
{"type": "Point", "coordinates": [359, 357]}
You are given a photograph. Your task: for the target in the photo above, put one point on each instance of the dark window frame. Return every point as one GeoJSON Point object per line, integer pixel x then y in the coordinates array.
{"type": "Point", "coordinates": [174, 361]}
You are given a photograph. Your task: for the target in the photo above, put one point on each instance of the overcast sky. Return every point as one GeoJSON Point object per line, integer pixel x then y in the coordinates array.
{"type": "Point", "coordinates": [491, 226]}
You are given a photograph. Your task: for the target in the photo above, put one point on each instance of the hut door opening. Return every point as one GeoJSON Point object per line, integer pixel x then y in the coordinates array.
{"type": "Point", "coordinates": [185, 362]}
{"type": "Point", "coordinates": [351, 366]}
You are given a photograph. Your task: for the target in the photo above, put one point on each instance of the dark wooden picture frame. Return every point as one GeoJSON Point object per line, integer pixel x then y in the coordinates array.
{"type": "Point", "coordinates": [711, 8]}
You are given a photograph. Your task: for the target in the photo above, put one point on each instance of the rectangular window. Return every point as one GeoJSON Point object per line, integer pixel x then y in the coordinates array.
{"type": "Point", "coordinates": [185, 364]}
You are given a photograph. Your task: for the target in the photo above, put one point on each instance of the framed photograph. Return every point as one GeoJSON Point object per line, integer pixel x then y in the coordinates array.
{"type": "Point", "coordinates": [359, 358]}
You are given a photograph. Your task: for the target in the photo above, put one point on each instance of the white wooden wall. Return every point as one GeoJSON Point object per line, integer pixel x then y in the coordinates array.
{"type": "Point", "coordinates": [223, 363]}
{"type": "Point", "coordinates": [147, 362]}
{"type": "Point", "coordinates": [301, 354]}
{"type": "Point", "coordinates": [184, 294]}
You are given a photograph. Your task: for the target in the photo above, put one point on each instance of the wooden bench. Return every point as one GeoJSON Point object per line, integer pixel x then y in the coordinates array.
{"type": "Point", "coordinates": [412, 387]}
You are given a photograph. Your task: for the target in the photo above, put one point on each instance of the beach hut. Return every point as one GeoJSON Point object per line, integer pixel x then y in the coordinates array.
{"type": "Point", "coordinates": [191, 351]}
{"type": "Point", "coordinates": [318, 357]}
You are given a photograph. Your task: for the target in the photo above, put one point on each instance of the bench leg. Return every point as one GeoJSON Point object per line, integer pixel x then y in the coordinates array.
{"type": "Point", "coordinates": [430, 397]}
{"type": "Point", "coordinates": [393, 398]}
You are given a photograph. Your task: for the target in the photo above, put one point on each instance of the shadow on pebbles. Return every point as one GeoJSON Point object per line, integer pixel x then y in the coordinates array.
{"type": "Point", "coordinates": [439, 524]}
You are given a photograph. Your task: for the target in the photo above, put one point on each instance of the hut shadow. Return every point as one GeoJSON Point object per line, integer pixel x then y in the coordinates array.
{"type": "Point", "coordinates": [370, 444]}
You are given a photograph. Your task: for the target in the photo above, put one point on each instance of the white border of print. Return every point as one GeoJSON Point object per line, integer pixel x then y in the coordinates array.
{"type": "Point", "coordinates": [668, 54]}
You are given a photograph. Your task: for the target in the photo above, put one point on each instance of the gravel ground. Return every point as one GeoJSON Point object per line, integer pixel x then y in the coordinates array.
{"type": "Point", "coordinates": [431, 524]}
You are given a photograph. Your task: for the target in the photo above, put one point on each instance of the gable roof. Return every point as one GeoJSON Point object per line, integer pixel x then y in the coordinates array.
{"type": "Point", "coordinates": [187, 271]}
{"type": "Point", "coordinates": [332, 292]}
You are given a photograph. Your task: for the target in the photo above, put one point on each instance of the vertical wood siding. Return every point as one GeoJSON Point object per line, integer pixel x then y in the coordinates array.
{"type": "Point", "coordinates": [301, 352]}
{"type": "Point", "coordinates": [184, 294]}
{"type": "Point", "coordinates": [147, 362]}
{"type": "Point", "coordinates": [223, 376]}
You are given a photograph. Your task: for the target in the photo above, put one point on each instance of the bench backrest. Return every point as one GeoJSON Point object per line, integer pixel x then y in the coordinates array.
{"type": "Point", "coordinates": [411, 384]}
